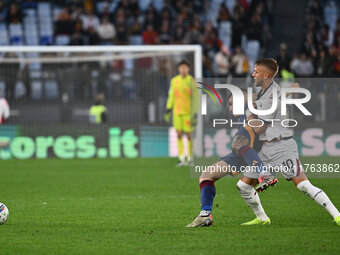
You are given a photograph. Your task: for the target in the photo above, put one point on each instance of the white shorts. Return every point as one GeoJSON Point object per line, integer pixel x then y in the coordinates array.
{"type": "Point", "coordinates": [279, 157]}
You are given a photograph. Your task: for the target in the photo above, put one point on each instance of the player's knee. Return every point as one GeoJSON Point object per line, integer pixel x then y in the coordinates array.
{"type": "Point", "coordinates": [209, 175]}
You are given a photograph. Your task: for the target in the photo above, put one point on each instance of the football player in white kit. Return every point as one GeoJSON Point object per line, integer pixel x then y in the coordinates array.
{"type": "Point", "coordinates": [4, 116]}
{"type": "Point", "coordinates": [279, 148]}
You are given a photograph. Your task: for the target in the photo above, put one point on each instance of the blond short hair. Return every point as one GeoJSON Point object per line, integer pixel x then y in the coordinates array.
{"type": "Point", "coordinates": [270, 63]}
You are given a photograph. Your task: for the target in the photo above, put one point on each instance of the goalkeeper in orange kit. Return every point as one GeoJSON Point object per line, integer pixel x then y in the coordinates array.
{"type": "Point", "coordinates": [182, 90]}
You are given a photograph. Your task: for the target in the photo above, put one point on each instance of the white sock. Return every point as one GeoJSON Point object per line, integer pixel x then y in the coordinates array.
{"type": "Point", "coordinates": [252, 199]}
{"type": "Point", "coordinates": [181, 158]}
{"type": "Point", "coordinates": [319, 197]}
{"type": "Point", "coordinates": [205, 213]}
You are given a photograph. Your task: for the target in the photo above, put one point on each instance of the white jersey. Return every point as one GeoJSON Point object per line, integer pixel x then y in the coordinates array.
{"type": "Point", "coordinates": [275, 129]}
{"type": "Point", "coordinates": [4, 110]}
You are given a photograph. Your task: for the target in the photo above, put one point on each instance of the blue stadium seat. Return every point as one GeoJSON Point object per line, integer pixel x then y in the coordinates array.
{"type": "Point", "coordinates": [46, 39]}
{"type": "Point", "coordinates": [36, 89]}
{"type": "Point", "coordinates": [30, 28]}
{"type": "Point", "coordinates": [31, 39]}
{"type": "Point", "coordinates": [30, 12]}
{"type": "Point", "coordinates": [2, 87]}
{"type": "Point", "coordinates": [143, 4]}
{"type": "Point", "coordinates": [35, 65]}
{"type": "Point", "coordinates": [212, 13]}
{"type": "Point", "coordinates": [62, 40]}
{"type": "Point", "coordinates": [16, 34]}
{"type": "Point", "coordinates": [56, 11]}
{"type": "Point", "coordinates": [136, 40]}
{"type": "Point", "coordinates": [3, 36]}
{"type": "Point", "coordinates": [46, 29]}
{"type": "Point", "coordinates": [158, 5]}
{"type": "Point", "coordinates": [3, 26]}
{"type": "Point", "coordinates": [17, 40]}
{"type": "Point", "coordinates": [100, 7]}
{"type": "Point", "coordinates": [19, 89]}
{"type": "Point", "coordinates": [252, 50]}
{"type": "Point", "coordinates": [51, 89]}
{"type": "Point", "coordinates": [225, 33]}
{"type": "Point", "coordinates": [15, 29]}
{"type": "Point", "coordinates": [230, 4]}
{"type": "Point", "coordinates": [44, 9]}
{"type": "Point", "coordinates": [44, 20]}
{"type": "Point", "coordinates": [331, 15]}
{"type": "Point", "coordinates": [128, 70]}
{"type": "Point", "coordinates": [30, 20]}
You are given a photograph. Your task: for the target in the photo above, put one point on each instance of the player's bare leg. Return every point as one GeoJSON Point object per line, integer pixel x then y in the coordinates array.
{"type": "Point", "coordinates": [246, 188]}
{"type": "Point", "coordinates": [318, 195]}
{"type": "Point", "coordinates": [208, 191]}
{"type": "Point", "coordinates": [180, 146]}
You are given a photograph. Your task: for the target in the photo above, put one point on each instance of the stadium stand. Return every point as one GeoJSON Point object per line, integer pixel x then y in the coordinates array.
{"type": "Point", "coordinates": [137, 22]}
{"type": "Point", "coordinates": [242, 27]}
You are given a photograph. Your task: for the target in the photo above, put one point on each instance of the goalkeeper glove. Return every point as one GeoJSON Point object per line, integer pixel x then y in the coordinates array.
{"type": "Point", "coordinates": [167, 115]}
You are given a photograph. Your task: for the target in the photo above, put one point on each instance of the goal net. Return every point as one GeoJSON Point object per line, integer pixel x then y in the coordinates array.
{"type": "Point", "coordinates": [51, 89]}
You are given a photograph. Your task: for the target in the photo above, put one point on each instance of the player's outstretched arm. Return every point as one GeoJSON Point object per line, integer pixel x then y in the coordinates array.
{"type": "Point", "coordinates": [167, 115]}
{"type": "Point", "coordinates": [169, 104]}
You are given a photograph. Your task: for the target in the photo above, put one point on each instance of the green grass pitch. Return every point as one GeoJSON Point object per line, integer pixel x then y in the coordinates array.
{"type": "Point", "coordinates": [140, 206]}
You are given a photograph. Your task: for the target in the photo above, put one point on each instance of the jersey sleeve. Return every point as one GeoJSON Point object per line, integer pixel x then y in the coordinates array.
{"type": "Point", "coordinates": [170, 102]}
